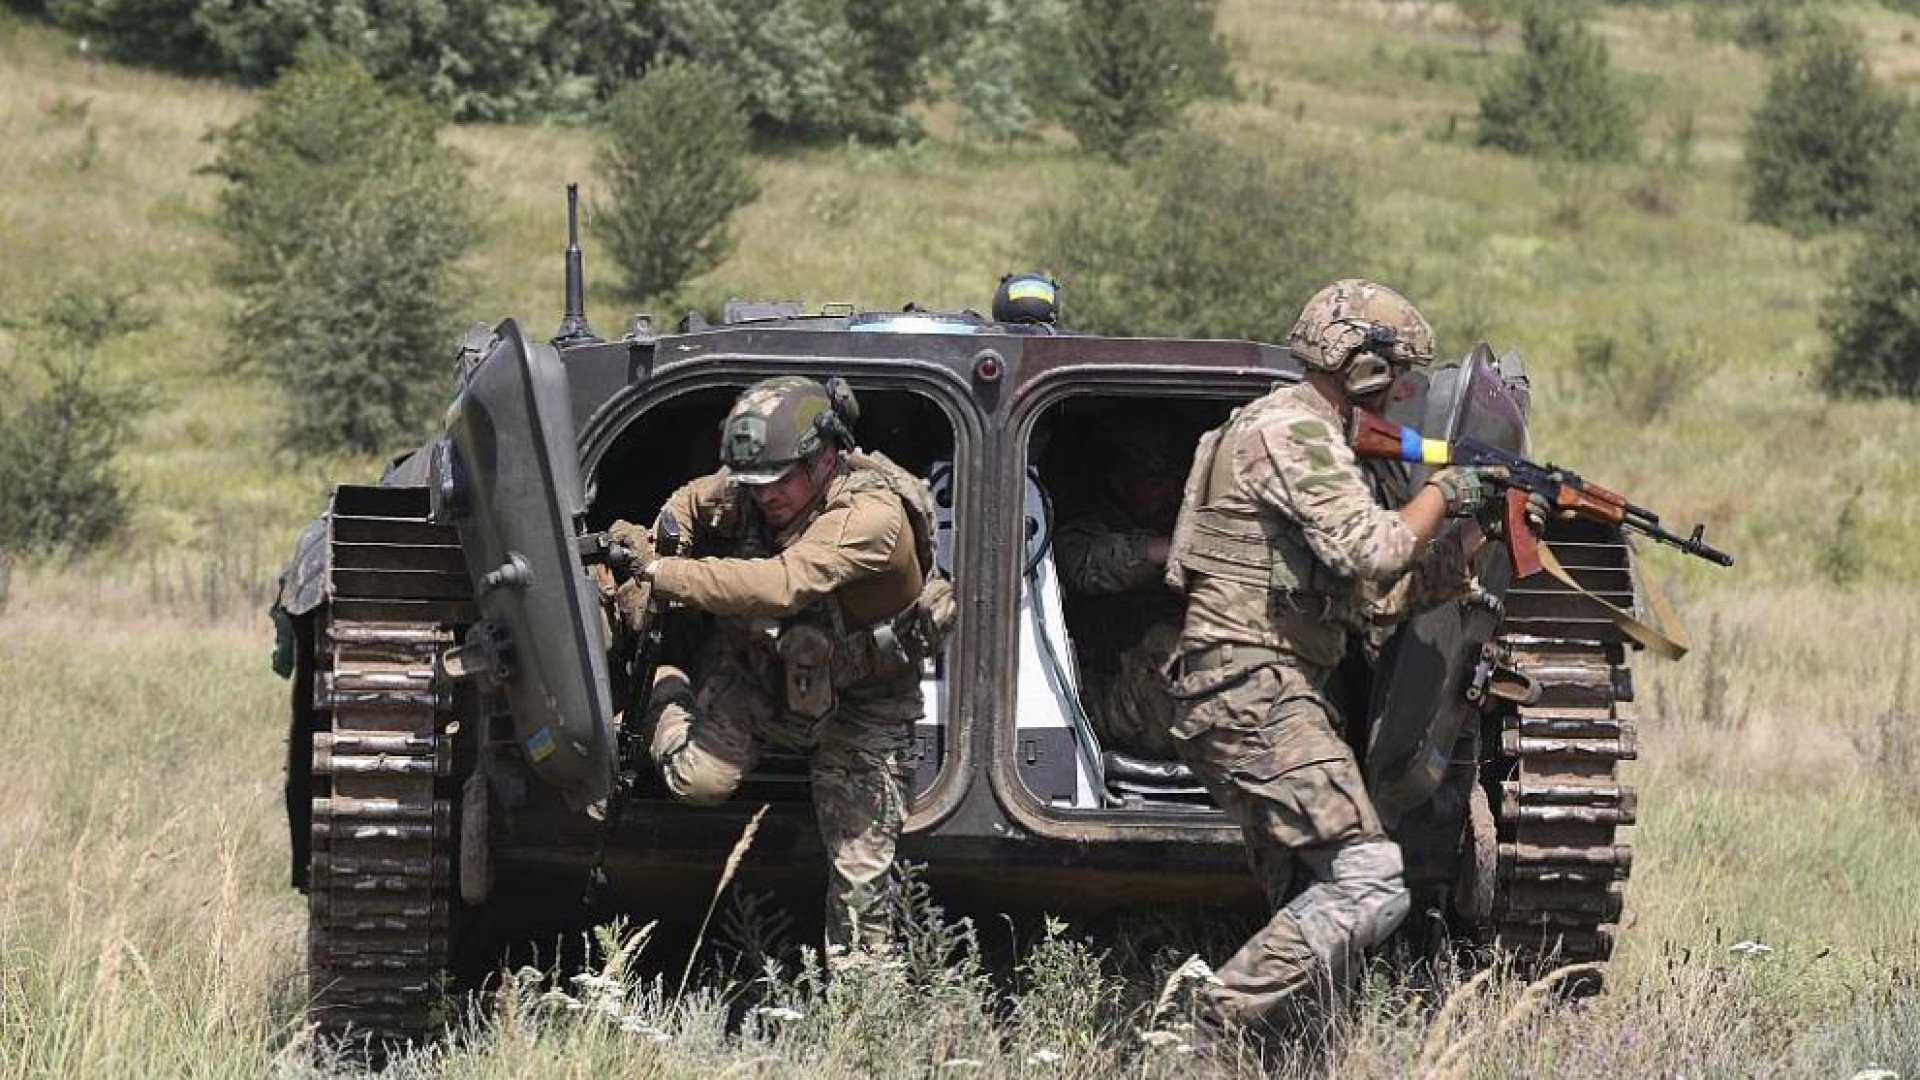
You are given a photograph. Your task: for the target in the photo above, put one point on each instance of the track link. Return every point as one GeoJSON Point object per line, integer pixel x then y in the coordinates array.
{"type": "Point", "coordinates": [1555, 789]}
{"type": "Point", "coordinates": [379, 893]}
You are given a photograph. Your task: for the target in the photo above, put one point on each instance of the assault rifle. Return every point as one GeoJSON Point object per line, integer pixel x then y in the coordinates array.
{"type": "Point", "coordinates": [1374, 437]}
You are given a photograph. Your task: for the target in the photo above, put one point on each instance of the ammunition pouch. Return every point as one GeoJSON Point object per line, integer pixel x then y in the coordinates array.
{"type": "Point", "coordinates": [806, 656]}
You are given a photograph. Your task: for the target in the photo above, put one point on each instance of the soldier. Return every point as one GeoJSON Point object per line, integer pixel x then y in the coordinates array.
{"type": "Point", "coordinates": [1282, 551]}
{"type": "Point", "coordinates": [817, 560]}
{"type": "Point", "coordinates": [1112, 557]}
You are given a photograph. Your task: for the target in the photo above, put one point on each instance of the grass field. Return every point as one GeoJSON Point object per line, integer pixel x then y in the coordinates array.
{"type": "Point", "coordinates": [145, 927]}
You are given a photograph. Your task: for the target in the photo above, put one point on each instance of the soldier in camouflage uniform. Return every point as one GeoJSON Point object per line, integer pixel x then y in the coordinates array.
{"type": "Point", "coordinates": [817, 560]}
{"type": "Point", "coordinates": [1111, 557]}
{"type": "Point", "coordinates": [1282, 552]}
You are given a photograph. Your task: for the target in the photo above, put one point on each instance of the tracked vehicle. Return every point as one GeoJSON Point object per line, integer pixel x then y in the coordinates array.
{"type": "Point", "coordinates": [457, 769]}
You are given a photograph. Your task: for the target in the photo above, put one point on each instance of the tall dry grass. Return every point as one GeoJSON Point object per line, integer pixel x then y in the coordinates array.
{"type": "Point", "coordinates": [146, 928]}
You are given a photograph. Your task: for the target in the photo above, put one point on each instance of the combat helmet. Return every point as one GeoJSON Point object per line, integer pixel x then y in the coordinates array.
{"type": "Point", "coordinates": [1364, 329]}
{"type": "Point", "coordinates": [778, 422]}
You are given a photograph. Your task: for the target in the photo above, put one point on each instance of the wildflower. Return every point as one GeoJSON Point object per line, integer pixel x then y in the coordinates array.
{"type": "Point", "coordinates": [1749, 948]}
{"type": "Point", "coordinates": [1159, 1039]}
{"type": "Point", "coordinates": [779, 1012]}
{"type": "Point", "coordinates": [1044, 1057]}
{"type": "Point", "coordinates": [962, 1063]}
{"type": "Point", "coordinates": [636, 1024]}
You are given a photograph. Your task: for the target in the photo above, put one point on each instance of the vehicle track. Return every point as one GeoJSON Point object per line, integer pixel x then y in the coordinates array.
{"type": "Point", "coordinates": [1554, 786]}
{"type": "Point", "coordinates": [380, 882]}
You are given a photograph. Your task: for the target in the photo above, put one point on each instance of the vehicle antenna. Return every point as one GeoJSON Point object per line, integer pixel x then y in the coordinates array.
{"type": "Point", "coordinates": [573, 325]}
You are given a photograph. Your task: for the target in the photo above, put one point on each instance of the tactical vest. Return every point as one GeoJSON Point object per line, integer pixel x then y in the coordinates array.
{"type": "Point", "coordinates": [1239, 541]}
{"type": "Point", "coordinates": [887, 594]}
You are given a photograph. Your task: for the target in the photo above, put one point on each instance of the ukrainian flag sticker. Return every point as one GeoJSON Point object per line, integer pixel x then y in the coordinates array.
{"type": "Point", "coordinates": [540, 745]}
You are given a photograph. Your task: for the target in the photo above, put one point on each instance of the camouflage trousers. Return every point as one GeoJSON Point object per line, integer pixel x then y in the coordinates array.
{"type": "Point", "coordinates": [1265, 743]}
{"type": "Point", "coordinates": [706, 740]}
{"type": "Point", "coordinates": [1130, 708]}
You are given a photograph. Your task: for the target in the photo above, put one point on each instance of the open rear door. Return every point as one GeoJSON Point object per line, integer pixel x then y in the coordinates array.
{"type": "Point", "coordinates": [1424, 688]}
{"type": "Point", "coordinates": [507, 476]}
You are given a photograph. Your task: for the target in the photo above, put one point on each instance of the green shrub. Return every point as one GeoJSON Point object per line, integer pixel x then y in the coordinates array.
{"type": "Point", "coordinates": [58, 484]}
{"type": "Point", "coordinates": [1559, 97]}
{"type": "Point", "coordinates": [159, 33]}
{"type": "Point", "coordinates": [1127, 67]}
{"type": "Point", "coordinates": [813, 68]}
{"type": "Point", "coordinates": [1872, 319]}
{"type": "Point", "coordinates": [1199, 237]}
{"type": "Point", "coordinates": [804, 68]}
{"type": "Point", "coordinates": [674, 158]}
{"type": "Point", "coordinates": [346, 218]}
{"type": "Point", "coordinates": [1821, 128]}
{"type": "Point", "coordinates": [999, 66]}
{"type": "Point", "coordinates": [477, 59]}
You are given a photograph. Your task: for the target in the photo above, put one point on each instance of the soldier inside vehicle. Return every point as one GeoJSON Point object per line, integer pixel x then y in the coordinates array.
{"type": "Point", "coordinates": [1112, 469]}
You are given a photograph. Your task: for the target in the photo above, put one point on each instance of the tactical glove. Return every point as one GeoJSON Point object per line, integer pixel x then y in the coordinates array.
{"type": "Point", "coordinates": [1467, 489]}
{"type": "Point", "coordinates": [1493, 515]}
{"type": "Point", "coordinates": [638, 540]}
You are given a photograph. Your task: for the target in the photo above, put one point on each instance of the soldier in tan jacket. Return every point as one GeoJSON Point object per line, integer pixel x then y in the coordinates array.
{"type": "Point", "coordinates": [1282, 552]}
{"type": "Point", "coordinates": [817, 560]}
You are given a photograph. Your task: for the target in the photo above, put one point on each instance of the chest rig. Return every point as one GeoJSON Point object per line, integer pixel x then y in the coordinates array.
{"type": "Point", "coordinates": [1225, 533]}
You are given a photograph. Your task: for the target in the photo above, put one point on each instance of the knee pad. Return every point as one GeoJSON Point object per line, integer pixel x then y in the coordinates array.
{"type": "Point", "coordinates": [1368, 875]}
{"type": "Point", "coordinates": [696, 777]}
{"type": "Point", "coordinates": [1357, 901]}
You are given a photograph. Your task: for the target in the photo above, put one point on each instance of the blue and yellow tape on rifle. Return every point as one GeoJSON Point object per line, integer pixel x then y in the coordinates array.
{"type": "Point", "coordinates": [1425, 451]}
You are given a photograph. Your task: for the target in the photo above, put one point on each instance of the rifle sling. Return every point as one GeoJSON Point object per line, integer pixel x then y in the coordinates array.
{"type": "Point", "coordinates": [1666, 639]}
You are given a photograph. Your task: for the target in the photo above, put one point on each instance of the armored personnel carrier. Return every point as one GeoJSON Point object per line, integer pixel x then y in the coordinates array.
{"type": "Point", "coordinates": [457, 770]}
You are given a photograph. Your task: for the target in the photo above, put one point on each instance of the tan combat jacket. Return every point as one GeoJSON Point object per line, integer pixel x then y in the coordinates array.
{"type": "Point", "coordinates": [856, 549]}
{"type": "Point", "coordinates": [1339, 560]}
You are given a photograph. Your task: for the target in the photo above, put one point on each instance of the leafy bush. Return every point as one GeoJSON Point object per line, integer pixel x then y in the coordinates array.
{"type": "Point", "coordinates": [163, 33]}
{"type": "Point", "coordinates": [813, 68]}
{"type": "Point", "coordinates": [58, 484]}
{"type": "Point", "coordinates": [1000, 64]}
{"type": "Point", "coordinates": [1820, 130]}
{"type": "Point", "coordinates": [1559, 98]}
{"type": "Point", "coordinates": [346, 218]}
{"type": "Point", "coordinates": [1872, 320]}
{"type": "Point", "coordinates": [1199, 237]}
{"type": "Point", "coordinates": [674, 156]}
{"type": "Point", "coordinates": [478, 59]}
{"type": "Point", "coordinates": [804, 68]}
{"type": "Point", "coordinates": [1129, 66]}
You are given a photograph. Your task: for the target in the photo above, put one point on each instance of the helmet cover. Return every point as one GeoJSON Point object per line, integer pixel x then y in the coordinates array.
{"type": "Point", "coordinates": [1363, 328]}
{"type": "Point", "coordinates": [774, 424]}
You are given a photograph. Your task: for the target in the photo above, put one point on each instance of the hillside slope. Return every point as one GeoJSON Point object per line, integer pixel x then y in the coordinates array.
{"type": "Point", "coordinates": [103, 187]}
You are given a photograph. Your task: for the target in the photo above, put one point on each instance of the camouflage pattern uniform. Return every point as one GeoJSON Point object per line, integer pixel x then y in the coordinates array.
{"type": "Point", "coordinates": [825, 594]}
{"type": "Point", "coordinates": [1127, 623]}
{"type": "Point", "coordinates": [1282, 551]}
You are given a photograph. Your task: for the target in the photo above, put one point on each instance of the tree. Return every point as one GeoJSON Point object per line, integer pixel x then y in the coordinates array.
{"type": "Point", "coordinates": [1873, 318]}
{"type": "Point", "coordinates": [813, 68]}
{"type": "Point", "coordinates": [346, 218]}
{"type": "Point", "coordinates": [674, 157]}
{"type": "Point", "coordinates": [59, 485]}
{"type": "Point", "coordinates": [1559, 97]}
{"type": "Point", "coordinates": [1130, 66]}
{"type": "Point", "coordinates": [1199, 237]}
{"type": "Point", "coordinates": [1822, 127]}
